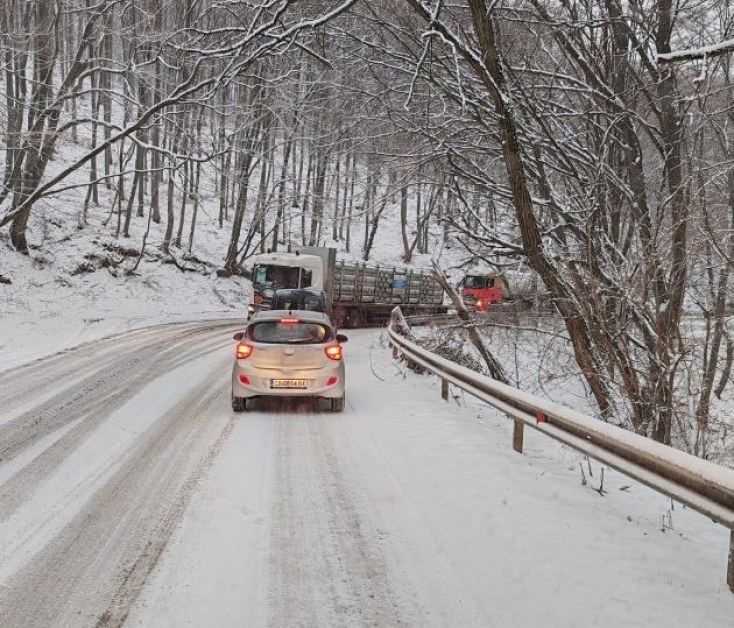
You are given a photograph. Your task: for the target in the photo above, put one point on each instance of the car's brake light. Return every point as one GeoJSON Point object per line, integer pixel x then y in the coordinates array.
{"type": "Point", "coordinates": [334, 352]}
{"type": "Point", "coordinates": [289, 321]}
{"type": "Point", "coordinates": [244, 351]}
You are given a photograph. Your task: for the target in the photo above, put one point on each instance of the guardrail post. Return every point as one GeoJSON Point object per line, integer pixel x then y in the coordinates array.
{"type": "Point", "coordinates": [517, 435]}
{"type": "Point", "coordinates": [394, 351]}
{"type": "Point", "coordinates": [730, 569]}
{"type": "Point", "coordinates": [444, 389]}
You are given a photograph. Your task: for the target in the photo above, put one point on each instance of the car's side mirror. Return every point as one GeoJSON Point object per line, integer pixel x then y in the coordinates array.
{"type": "Point", "coordinates": [341, 338]}
{"type": "Point", "coordinates": [239, 335]}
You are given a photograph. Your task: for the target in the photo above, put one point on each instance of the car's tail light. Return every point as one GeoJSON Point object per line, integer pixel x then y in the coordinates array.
{"type": "Point", "coordinates": [331, 381]}
{"type": "Point", "coordinates": [334, 352]}
{"type": "Point", "coordinates": [289, 321]}
{"type": "Point", "coordinates": [244, 380]}
{"type": "Point", "coordinates": [244, 351]}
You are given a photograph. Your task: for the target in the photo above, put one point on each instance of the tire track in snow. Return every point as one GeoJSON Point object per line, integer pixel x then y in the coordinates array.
{"type": "Point", "coordinates": [45, 376]}
{"type": "Point", "coordinates": [326, 563]}
{"type": "Point", "coordinates": [19, 381]}
{"type": "Point", "coordinates": [91, 412]}
{"type": "Point", "coordinates": [106, 387]}
{"type": "Point", "coordinates": [42, 379]}
{"type": "Point", "coordinates": [91, 570]}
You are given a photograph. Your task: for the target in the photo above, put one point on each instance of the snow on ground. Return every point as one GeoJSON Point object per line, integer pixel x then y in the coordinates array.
{"type": "Point", "coordinates": [440, 520]}
{"type": "Point", "coordinates": [306, 518]}
{"type": "Point", "coordinates": [54, 505]}
{"type": "Point", "coordinates": [74, 285]}
{"type": "Point", "coordinates": [45, 311]}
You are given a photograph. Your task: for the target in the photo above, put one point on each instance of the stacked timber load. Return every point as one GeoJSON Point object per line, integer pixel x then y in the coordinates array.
{"type": "Point", "coordinates": [354, 283]}
{"type": "Point", "coordinates": [384, 285]}
{"type": "Point", "coordinates": [365, 283]}
{"type": "Point", "coordinates": [416, 287]}
{"type": "Point", "coordinates": [343, 283]}
{"type": "Point", "coordinates": [430, 289]}
{"type": "Point", "coordinates": [369, 284]}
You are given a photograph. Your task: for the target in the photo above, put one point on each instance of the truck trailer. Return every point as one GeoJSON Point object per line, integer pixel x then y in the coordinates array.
{"type": "Point", "coordinates": [361, 293]}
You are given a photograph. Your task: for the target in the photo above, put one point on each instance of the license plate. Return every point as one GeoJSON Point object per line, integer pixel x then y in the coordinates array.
{"type": "Point", "coordinates": [288, 383]}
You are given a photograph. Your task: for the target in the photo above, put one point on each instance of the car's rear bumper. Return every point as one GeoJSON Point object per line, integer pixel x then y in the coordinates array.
{"type": "Point", "coordinates": [260, 381]}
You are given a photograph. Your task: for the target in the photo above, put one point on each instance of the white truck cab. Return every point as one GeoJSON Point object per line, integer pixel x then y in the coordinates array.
{"type": "Point", "coordinates": [271, 271]}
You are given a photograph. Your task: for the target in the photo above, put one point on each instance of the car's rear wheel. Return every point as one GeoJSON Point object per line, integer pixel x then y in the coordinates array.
{"type": "Point", "coordinates": [337, 404]}
{"type": "Point", "coordinates": [239, 404]}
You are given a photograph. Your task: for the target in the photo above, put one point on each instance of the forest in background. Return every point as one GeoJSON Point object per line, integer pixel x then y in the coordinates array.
{"type": "Point", "coordinates": [537, 134]}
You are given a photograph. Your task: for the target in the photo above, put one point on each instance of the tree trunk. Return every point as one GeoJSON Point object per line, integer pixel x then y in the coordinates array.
{"type": "Point", "coordinates": [407, 252]}
{"type": "Point", "coordinates": [490, 73]}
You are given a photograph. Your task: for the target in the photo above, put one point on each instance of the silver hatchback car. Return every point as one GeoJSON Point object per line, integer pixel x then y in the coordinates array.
{"type": "Point", "coordinates": [288, 353]}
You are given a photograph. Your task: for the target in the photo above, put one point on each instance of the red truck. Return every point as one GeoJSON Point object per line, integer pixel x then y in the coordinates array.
{"type": "Point", "coordinates": [482, 288]}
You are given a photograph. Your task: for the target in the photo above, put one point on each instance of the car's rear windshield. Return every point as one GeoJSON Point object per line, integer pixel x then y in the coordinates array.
{"type": "Point", "coordinates": [309, 302]}
{"type": "Point", "coordinates": [289, 332]}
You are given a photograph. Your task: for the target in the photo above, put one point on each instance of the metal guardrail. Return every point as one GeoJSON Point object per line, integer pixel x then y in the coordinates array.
{"type": "Point", "coordinates": [496, 315]}
{"type": "Point", "coordinates": [700, 484]}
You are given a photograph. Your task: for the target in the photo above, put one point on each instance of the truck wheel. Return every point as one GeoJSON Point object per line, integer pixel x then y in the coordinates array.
{"type": "Point", "coordinates": [355, 317]}
{"type": "Point", "coordinates": [340, 318]}
{"type": "Point", "coordinates": [337, 404]}
{"type": "Point", "coordinates": [239, 404]}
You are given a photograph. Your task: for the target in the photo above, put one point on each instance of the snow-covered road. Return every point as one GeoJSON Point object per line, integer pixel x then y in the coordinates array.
{"type": "Point", "coordinates": [130, 493]}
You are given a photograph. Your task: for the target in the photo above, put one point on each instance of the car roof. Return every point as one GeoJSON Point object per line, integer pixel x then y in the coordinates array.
{"type": "Point", "coordinates": [483, 273]}
{"type": "Point", "coordinates": [299, 291]}
{"type": "Point", "coordinates": [302, 315]}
